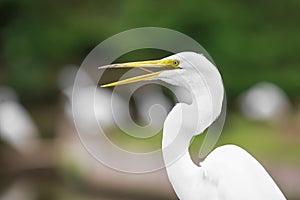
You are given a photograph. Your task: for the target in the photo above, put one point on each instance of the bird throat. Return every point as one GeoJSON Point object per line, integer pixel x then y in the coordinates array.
{"type": "Point", "coordinates": [185, 121]}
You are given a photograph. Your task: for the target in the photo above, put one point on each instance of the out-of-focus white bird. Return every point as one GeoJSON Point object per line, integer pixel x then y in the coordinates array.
{"type": "Point", "coordinates": [72, 156]}
{"type": "Point", "coordinates": [88, 90]}
{"type": "Point", "coordinates": [265, 101]}
{"type": "Point", "coordinates": [228, 172]}
{"type": "Point", "coordinates": [147, 99]}
{"type": "Point", "coordinates": [16, 126]}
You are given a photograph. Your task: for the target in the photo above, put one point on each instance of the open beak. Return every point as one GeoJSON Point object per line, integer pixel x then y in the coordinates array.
{"type": "Point", "coordinates": [166, 64]}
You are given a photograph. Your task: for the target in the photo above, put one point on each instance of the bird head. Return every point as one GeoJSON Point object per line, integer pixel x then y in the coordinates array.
{"type": "Point", "coordinates": [190, 70]}
{"type": "Point", "coordinates": [169, 69]}
{"type": "Point", "coordinates": [175, 69]}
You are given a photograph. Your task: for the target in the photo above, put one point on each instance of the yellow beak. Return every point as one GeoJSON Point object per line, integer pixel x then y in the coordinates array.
{"type": "Point", "coordinates": [170, 63]}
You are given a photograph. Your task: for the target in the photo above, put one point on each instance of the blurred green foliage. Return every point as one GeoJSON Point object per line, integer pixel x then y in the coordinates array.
{"type": "Point", "coordinates": [250, 41]}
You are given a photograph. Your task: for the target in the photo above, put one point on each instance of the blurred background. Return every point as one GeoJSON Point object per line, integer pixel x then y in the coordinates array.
{"type": "Point", "coordinates": [255, 45]}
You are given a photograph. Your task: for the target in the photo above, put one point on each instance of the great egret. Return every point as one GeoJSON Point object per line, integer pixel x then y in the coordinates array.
{"type": "Point", "coordinates": [228, 172]}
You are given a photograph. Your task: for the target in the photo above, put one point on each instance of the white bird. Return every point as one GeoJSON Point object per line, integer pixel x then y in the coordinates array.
{"type": "Point", "coordinates": [102, 107]}
{"type": "Point", "coordinates": [152, 106]}
{"type": "Point", "coordinates": [265, 101]}
{"type": "Point", "coordinates": [16, 126]}
{"type": "Point", "coordinates": [228, 172]}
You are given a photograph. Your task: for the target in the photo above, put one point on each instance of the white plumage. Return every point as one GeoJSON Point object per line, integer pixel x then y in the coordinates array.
{"type": "Point", "coordinates": [100, 110]}
{"type": "Point", "coordinates": [16, 126]}
{"type": "Point", "coordinates": [228, 172]}
{"type": "Point", "coordinates": [265, 101]}
{"type": "Point", "coordinates": [152, 107]}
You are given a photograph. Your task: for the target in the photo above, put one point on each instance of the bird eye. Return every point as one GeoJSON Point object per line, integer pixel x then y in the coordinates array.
{"type": "Point", "coordinates": [176, 62]}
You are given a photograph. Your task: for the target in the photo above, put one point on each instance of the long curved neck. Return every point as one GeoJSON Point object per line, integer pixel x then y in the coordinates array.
{"type": "Point", "coordinates": [185, 121]}
{"type": "Point", "coordinates": [177, 134]}
{"type": "Point", "coordinates": [175, 144]}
